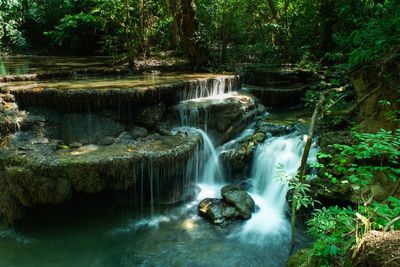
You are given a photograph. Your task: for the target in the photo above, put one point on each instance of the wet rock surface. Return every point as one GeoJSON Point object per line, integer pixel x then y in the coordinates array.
{"type": "Point", "coordinates": [10, 116]}
{"type": "Point", "coordinates": [273, 129]}
{"type": "Point", "coordinates": [278, 87]}
{"type": "Point", "coordinates": [236, 203]}
{"type": "Point", "coordinates": [240, 199]}
{"type": "Point", "coordinates": [222, 116]}
{"type": "Point", "coordinates": [151, 116]}
{"type": "Point", "coordinates": [60, 153]}
{"type": "Point", "coordinates": [239, 156]}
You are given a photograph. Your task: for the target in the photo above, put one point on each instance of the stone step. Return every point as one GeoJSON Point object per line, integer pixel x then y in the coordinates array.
{"type": "Point", "coordinates": [278, 97]}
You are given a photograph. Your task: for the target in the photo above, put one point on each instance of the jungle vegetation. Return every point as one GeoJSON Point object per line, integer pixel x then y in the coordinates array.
{"type": "Point", "coordinates": [360, 39]}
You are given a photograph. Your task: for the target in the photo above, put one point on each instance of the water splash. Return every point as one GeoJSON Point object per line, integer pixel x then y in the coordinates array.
{"type": "Point", "coordinates": [276, 154]}
{"type": "Point", "coordinates": [207, 167]}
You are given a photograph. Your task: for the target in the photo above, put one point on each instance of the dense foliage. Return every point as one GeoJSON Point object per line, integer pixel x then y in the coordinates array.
{"type": "Point", "coordinates": [346, 33]}
{"type": "Point", "coordinates": [337, 230]}
{"type": "Point", "coordinates": [232, 30]}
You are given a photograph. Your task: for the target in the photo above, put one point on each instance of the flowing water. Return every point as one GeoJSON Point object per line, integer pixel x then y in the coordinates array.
{"type": "Point", "coordinates": [108, 232]}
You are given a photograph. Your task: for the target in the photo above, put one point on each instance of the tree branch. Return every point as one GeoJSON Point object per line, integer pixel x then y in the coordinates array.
{"type": "Point", "coordinates": [354, 107]}
{"type": "Point", "coordinates": [389, 224]}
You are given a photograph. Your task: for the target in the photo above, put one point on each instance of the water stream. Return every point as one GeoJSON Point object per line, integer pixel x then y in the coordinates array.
{"type": "Point", "coordinates": [107, 233]}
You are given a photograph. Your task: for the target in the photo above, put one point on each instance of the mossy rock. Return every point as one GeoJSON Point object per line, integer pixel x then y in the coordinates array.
{"type": "Point", "coordinates": [301, 259]}
{"type": "Point", "coordinates": [38, 174]}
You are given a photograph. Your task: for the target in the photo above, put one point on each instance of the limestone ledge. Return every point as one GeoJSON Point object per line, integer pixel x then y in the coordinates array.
{"type": "Point", "coordinates": [40, 172]}
{"type": "Point", "coordinates": [124, 95]}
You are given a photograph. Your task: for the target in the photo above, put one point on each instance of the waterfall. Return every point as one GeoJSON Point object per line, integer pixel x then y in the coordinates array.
{"type": "Point", "coordinates": [212, 172]}
{"type": "Point", "coordinates": [210, 87]}
{"type": "Point", "coordinates": [276, 156]}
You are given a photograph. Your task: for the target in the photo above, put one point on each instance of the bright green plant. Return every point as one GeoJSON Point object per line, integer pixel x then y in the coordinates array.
{"type": "Point", "coordinates": [333, 230]}
{"type": "Point", "coordinates": [336, 229]}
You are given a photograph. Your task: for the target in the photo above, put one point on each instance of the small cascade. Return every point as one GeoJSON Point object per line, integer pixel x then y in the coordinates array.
{"type": "Point", "coordinates": [210, 87]}
{"type": "Point", "coordinates": [212, 172]}
{"type": "Point", "coordinates": [193, 116]}
{"type": "Point", "coordinates": [278, 156]}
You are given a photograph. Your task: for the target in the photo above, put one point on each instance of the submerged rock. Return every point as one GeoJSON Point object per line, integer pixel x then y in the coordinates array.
{"type": "Point", "coordinates": [88, 128]}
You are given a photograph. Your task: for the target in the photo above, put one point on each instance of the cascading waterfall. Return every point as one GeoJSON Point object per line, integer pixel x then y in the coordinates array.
{"type": "Point", "coordinates": [212, 172]}
{"type": "Point", "coordinates": [193, 113]}
{"type": "Point", "coordinates": [278, 156]}
{"type": "Point", "coordinates": [203, 166]}
{"type": "Point", "coordinates": [211, 87]}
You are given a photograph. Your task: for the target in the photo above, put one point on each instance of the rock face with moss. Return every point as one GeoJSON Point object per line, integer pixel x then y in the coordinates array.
{"type": "Point", "coordinates": [381, 93]}
{"type": "Point", "coordinates": [38, 170]}
{"type": "Point", "coordinates": [97, 140]}
{"type": "Point", "coordinates": [10, 115]}
{"type": "Point", "coordinates": [222, 116]}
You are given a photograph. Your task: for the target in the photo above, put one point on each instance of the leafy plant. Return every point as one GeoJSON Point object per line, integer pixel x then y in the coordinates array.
{"type": "Point", "coordinates": [333, 230]}
{"type": "Point", "coordinates": [336, 229]}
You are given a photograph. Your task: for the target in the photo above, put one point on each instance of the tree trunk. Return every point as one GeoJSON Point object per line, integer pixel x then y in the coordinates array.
{"type": "Point", "coordinates": [172, 11]}
{"type": "Point", "coordinates": [301, 170]}
{"type": "Point", "coordinates": [189, 27]}
{"type": "Point", "coordinates": [129, 37]}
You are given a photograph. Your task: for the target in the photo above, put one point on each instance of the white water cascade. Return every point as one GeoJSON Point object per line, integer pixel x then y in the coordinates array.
{"type": "Point", "coordinates": [275, 157]}
{"type": "Point", "coordinates": [211, 87]}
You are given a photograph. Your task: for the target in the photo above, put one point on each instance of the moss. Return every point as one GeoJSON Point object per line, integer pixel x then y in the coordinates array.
{"type": "Point", "coordinates": [43, 176]}
{"type": "Point", "coordinates": [21, 188]}
{"type": "Point", "coordinates": [301, 259]}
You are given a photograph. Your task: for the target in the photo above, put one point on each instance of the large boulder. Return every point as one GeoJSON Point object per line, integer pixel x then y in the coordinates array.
{"type": "Point", "coordinates": [240, 199]}
{"type": "Point", "coordinates": [211, 208]}
{"type": "Point", "coordinates": [222, 117]}
{"type": "Point", "coordinates": [235, 204]}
